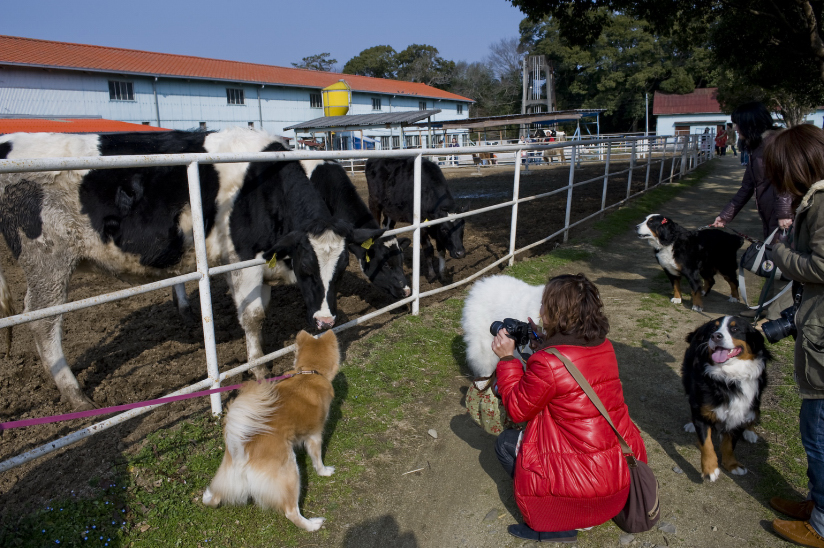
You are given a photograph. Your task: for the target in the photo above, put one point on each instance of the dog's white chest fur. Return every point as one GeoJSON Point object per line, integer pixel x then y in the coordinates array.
{"type": "Point", "coordinates": [738, 411]}
{"type": "Point", "coordinates": [667, 260]}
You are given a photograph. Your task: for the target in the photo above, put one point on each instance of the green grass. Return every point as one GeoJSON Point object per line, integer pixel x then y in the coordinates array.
{"type": "Point", "coordinates": [153, 498]}
{"type": "Point", "coordinates": [534, 270]}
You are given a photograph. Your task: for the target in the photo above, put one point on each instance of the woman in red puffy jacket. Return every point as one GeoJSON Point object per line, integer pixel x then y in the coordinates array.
{"type": "Point", "coordinates": [567, 464]}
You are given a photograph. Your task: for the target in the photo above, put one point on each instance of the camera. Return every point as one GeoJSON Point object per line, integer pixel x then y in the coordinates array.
{"type": "Point", "coordinates": [784, 326]}
{"type": "Point", "coordinates": [517, 330]}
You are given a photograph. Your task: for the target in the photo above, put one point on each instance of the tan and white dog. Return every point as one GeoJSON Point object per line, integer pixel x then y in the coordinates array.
{"type": "Point", "coordinates": [266, 422]}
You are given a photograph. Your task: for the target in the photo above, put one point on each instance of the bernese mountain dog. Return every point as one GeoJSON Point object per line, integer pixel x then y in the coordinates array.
{"type": "Point", "coordinates": [724, 373]}
{"type": "Point", "coordinates": [695, 254]}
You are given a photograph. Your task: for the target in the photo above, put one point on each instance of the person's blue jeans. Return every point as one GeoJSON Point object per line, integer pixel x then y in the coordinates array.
{"type": "Point", "coordinates": [745, 157]}
{"type": "Point", "coordinates": [812, 437]}
{"type": "Point", "coordinates": [505, 449]}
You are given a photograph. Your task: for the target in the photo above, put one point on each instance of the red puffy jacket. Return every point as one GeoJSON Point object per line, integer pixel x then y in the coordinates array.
{"type": "Point", "coordinates": [569, 473]}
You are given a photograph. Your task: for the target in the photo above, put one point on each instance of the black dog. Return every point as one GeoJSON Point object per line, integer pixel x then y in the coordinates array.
{"type": "Point", "coordinates": [696, 254]}
{"type": "Point", "coordinates": [724, 373]}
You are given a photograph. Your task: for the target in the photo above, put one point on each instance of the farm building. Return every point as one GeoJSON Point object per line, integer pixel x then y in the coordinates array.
{"type": "Point", "coordinates": [696, 111]}
{"type": "Point", "coordinates": [45, 79]}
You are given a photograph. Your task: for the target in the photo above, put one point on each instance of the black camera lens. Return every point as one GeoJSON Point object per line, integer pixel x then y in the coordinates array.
{"type": "Point", "coordinates": [495, 327]}
{"type": "Point", "coordinates": [783, 327]}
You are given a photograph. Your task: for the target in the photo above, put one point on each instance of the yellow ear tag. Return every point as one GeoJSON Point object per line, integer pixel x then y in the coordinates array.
{"type": "Point", "coordinates": [367, 257]}
{"type": "Point", "coordinates": [273, 261]}
{"type": "Point", "coordinates": [367, 244]}
{"type": "Point", "coordinates": [426, 220]}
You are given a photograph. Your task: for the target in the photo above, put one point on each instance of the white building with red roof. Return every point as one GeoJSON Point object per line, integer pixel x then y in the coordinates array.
{"type": "Point", "coordinates": [42, 79]}
{"type": "Point", "coordinates": [688, 113]}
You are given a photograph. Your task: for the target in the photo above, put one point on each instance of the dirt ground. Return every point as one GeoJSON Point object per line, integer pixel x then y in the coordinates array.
{"type": "Point", "coordinates": [140, 348]}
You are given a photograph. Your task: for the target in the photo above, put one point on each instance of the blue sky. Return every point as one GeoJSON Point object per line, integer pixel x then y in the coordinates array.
{"type": "Point", "coordinates": [273, 32]}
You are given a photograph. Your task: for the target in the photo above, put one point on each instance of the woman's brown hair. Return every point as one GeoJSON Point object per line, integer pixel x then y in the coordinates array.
{"type": "Point", "coordinates": [572, 306]}
{"type": "Point", "coordinates": [794, 159]}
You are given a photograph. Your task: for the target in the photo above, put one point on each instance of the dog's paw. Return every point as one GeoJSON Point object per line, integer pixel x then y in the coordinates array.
{"type": "Point", "coordinates": [750, 436]}
{"type": "Point", "coordinates": [326, 471]}
{"type": "Point", "coordinates": [696, 308]}
{"type": "Point", "coordinates": [738, 471]}
{"type": "Point", "coordinates": [689, 427]}
{"type": "Point", "coordinates": [734, 300]}
{"type": "Point", "coordinates": [209, 499]}
{"type": "Point", "coordinates": [675, 300]}
{"type": "Point", "coordinates": [703, 293]}
{"type": "Point", "coordinates": [313, 524]}
{"type": "Point", "coordinates": [712, 476]}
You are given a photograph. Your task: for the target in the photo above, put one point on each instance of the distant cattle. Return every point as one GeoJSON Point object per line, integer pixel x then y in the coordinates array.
{"type": "Point", "coordinates": [136, 224]}
{"type": "Point", "coordinates": [484, 158]}
{"type": "Point", "coordinates": [391, 183]}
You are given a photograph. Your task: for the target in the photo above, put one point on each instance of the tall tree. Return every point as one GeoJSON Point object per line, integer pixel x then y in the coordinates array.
{"type": "Point", "coordinates": [614, 72]}
{"type": "Point", "coordinates": [377, 61]}
{"type": "Point", "coordinates": [321, 62]}
{"type": "Point", "coordinates": [422, 63]}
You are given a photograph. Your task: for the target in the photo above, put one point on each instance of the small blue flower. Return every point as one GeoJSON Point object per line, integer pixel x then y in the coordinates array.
{"type": "Point", "coordinates": [85, 538]}
{"type": "Point", "coordinates": [94, 526]}
{"type": "Point", "coordinates": [44, 530]}
{"type": "Point", "coordinates": [57, 542]}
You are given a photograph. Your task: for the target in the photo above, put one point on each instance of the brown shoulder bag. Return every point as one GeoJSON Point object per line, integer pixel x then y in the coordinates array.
{"type": "Point", "coordinates": [642, 510]}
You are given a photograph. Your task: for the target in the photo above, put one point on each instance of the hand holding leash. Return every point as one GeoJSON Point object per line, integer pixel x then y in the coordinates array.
{"type": "Point", "coordinates": [719, 223]}
{"type": "Point", "coordinates": [785, 224]}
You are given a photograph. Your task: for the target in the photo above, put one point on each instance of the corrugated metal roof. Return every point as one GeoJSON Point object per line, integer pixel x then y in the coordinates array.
{"type": "Point", "coordinates": [45, 53]}
{"type": "Point", "coordinates": [69, 125]}
{"type": "Point", "coordinates": [556, 116]}
{"type": "Point", "coordinates": [700, 101]}
{"type": "Point", "coordinates": [365, 120]}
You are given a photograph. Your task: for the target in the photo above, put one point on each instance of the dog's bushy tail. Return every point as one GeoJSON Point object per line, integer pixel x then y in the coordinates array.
{"type": "Point", "coordinates": [247, 417]}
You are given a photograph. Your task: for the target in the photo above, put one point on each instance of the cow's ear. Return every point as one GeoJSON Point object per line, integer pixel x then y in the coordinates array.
{"type": "Point", "coordinates": [284, 247]}
{"type": "Point", "coordinates": [404, 242]}
{"type": "Point", "coordinates": [363, 235]}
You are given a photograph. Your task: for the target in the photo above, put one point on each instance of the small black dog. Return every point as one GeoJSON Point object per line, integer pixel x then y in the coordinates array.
{"type": "Point", "coordinates": [724, 373]}
{"type": "Point", "coordinates": [696, 254]}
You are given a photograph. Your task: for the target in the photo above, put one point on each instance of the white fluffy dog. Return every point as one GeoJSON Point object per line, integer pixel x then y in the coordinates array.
{"type": "Point", "coordinates": [493, 299]}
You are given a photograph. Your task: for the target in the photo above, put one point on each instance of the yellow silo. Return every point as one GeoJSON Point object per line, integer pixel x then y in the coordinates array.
{"type": "Point", "coordinates": [336, 99]}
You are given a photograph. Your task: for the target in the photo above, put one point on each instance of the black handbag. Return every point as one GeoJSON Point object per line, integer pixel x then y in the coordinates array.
{"type": "Point", "coordinates": [643, 509]}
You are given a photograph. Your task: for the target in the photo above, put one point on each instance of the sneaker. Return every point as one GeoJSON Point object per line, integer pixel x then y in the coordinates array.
{"type": "Point", "coordinates": [795, 509]}
{"type": "Point", "coordinates": [523, 531]}
{"type": "Point", "coordinates": [800, 532]}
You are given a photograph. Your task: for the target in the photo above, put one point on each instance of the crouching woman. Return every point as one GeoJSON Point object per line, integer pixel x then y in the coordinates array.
{"type": "Point", "coordinates": [567, 465]}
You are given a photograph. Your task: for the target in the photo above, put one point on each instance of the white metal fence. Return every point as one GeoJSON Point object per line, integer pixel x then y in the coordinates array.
{"type": "Point", "coordinates": [684, 153]}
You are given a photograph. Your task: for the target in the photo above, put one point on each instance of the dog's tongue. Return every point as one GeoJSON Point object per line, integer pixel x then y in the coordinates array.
{"type": "Point", "coordinates": [720, 355]}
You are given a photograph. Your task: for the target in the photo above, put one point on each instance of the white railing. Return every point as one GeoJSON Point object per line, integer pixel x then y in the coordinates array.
{"type": "Point", "coordinates": [685, 151]}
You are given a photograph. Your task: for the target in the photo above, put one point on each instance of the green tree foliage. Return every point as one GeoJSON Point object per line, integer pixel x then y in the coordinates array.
{"type": "Point", "coordinates": [768, 49]}
{"type": "Point", "coordinates": [321, 62]}
{"type": "Point", "coordinates": [617, 68]}
{"type": "Point", "coordinates": [422, 63]}
{"type": "Point", "coordinates": [377, 61]}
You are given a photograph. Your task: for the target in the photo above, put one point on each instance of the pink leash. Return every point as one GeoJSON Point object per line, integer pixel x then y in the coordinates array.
{"type": "Point", "coordinates": [127, 406]}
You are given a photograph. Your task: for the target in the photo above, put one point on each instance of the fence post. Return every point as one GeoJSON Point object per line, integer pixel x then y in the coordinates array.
{"type": "Point", "coordinates": [513, 229]}
{"type": "Point", "coordinates": [663, 161]}
{"type": "Point", "coordinates": [649, 163]}
{"type": "Point", "coordinates": [683, 170]}
{"type": "Point", "coordinates": [204, 287]}
{"type": "Point", "coordinates": [606, 180]}
{"type": "Point", "coordinates": [569, 190]}
{"type": "Point", "coordinates": [672, 159]}
{"type": "Point", "coordinates": [631, 169]}
{"type": "Point", "coordinates": [416, 237]}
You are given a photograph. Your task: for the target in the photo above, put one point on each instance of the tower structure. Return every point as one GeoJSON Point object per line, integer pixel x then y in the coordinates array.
{"type": "Point", "coordinates": [539, 85]}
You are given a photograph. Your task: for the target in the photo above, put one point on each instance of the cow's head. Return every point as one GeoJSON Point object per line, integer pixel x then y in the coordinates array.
{"type": "Point", "coordinates": [382, 263]}
{"type": "Point", "coordinates": [449, 235]}
{"type": "Point", "coordinates": [318, 257]}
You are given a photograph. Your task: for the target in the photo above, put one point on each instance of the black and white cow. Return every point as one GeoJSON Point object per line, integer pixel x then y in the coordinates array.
{"type": "Point", "coordinates": [391, 184]}
{"type": "Point", "coordinates": [136, 223]}
{"type": "Point", "coordinates": [382, 262]}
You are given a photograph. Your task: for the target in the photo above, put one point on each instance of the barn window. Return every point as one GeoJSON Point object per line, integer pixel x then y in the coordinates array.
{"type": "Point", "coordinates": [315, 100]}
{"type": "Point", "coordinates": [422, 105]}
{"type": "Point", "coordinates": [385, 142]}
{"type": "Point", "coordinates": [203, 125]}
{"type": "Point", "coordinates": [376, 103]}
{"type": "Point", "coordinates": [121, 91]}
{"type": "Point", "coordinates": [234, 96]}
{"type": "Point", "coordinates": [396, 141]}
{"type": "Point", "coordinates": [251, 125]}
{"type": "Point", "coordinates": [459, 109]}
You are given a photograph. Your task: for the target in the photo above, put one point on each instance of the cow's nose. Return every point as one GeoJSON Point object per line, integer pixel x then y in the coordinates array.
{"type": "Point", "coordinates": [407, 291]}
{"type": "Point", "coordinates": [325, 322]}
{"type": "Point", "coordinates": [460, 254]}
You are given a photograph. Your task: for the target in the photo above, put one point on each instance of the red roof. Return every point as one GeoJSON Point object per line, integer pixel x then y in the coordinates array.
{"type": "Point", "coordinates": [45, 53]}
{"type": "Point", "coordinates": [700, 101]}
{"type": "Point", "coordinates": [69, 125]}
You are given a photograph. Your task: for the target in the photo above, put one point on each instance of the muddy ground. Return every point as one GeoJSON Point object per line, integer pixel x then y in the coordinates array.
{"type": "Point", "coordinates": [140, 348]}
